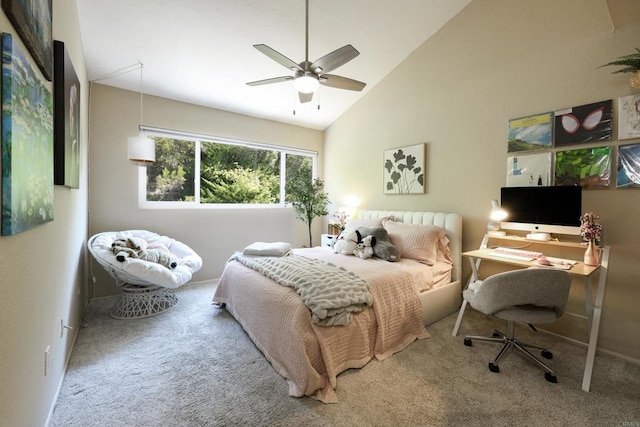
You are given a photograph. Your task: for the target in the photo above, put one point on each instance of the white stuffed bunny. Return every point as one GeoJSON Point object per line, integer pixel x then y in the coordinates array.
{"type": "Point", "coordinates": [364, 249]}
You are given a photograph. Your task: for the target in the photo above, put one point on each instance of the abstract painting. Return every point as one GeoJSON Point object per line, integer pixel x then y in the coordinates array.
{"type": "Point", "coordinates": [628, 166]}
{"type": "Point", "coordinates": [27, 143]}
{"type": "Point", "coordinates": [583, 124]}
{"type": "Point", "coordinates": [66, 138]}
{"type": "Point", "coordinates": [404, 170]}
{"type": "Point", "coordinates": [530, 133]}
{"type": "Point", "coordinates": [32, 20]}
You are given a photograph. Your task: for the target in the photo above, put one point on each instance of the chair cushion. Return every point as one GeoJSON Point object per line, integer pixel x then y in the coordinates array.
{"type": "Point", "coordinates": [528, 314]}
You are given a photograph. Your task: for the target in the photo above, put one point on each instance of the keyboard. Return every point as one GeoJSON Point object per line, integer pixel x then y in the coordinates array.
{"type": "Point", "coordinates": [518, 254]}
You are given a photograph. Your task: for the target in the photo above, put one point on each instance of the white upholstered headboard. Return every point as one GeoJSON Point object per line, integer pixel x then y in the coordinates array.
{"type": "Point", "coordinates": [451, 222]}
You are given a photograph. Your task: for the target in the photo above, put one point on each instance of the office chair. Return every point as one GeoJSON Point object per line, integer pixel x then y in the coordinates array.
{"type": "Point", "coordinates": [528, 296]}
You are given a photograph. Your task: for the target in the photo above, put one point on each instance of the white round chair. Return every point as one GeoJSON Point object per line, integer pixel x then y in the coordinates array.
{"type": "Point", "coordinates": [147, 287]}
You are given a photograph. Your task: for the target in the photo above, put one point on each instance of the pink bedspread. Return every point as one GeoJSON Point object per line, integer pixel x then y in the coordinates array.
{"type": "Point", "coordinates": [308, 356]}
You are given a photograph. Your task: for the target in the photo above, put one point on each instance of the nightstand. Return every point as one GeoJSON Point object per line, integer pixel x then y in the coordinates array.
{"type": "Point", "coordinates": [327, 240]}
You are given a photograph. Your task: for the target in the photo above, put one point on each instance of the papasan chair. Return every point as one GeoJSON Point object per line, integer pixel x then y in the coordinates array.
{"type": "Point", "coordinates": [147, 287]}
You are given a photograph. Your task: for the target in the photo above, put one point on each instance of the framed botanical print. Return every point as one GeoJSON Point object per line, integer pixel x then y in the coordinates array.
{"type": "Point", "coordinates": [404, 170]}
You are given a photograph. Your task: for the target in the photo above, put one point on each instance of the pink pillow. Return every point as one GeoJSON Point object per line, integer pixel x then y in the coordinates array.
{"type": "Point", "coordinates": [424, 243]}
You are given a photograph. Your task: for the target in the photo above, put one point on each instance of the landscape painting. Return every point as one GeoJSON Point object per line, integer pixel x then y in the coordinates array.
{"type": "Point", "coordinates": [530, 133]}
{"type": "Point", "coordinates": [27, 143]}
{"type": "Point", "coordinates": [32, 20]}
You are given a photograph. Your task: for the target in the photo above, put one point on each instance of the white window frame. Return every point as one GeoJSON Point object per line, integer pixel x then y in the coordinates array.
{"type": "Point", "coordinates": [143, 203]}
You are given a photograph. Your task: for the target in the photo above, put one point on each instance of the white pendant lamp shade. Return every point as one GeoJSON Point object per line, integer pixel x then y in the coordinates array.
{"type": "Point", "coordinates": [141, 149]}
{"type": "Point", "coordinates": [306, 83]}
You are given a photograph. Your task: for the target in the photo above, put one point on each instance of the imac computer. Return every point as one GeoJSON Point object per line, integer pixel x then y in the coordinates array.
{"type": "Point", "coordinates": [542, 210]}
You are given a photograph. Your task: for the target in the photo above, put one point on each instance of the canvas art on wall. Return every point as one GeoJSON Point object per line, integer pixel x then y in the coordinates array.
{"type": "Point", "coordinates": [582, 124]}
{"type": "Point", "coordinates": [27, 143]}
{"type": "Point", "coordinates": [404, 170]}
{"type": "Point", "coordinates": [530, 133]}
{"type": "Point", "coordinates": [628, 166]}
{"type": "Point", "coordinates": [32, 20]}
{"type": "Point", "coordinates": [629, 116]}
{"type": "Point", "coordinates": [66, 94]}
{"type": "Point", "coordinates": [529, 170]}
{"type": "Point", "coordinates": [588, 167]}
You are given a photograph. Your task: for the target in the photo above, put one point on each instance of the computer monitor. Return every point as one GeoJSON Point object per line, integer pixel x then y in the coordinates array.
{"type": "Point", "coordinates": [554, 209]}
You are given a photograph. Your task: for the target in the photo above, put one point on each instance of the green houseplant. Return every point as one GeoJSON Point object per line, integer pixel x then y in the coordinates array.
{"type": "Point", "coordinates": [308, 200]}
{"type": "Point", "coordinates": [631, 64]}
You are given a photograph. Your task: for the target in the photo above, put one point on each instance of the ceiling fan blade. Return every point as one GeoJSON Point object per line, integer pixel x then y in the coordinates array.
{"type": "Point", "coordinates": [271, 80]}
{"type": "Point", "coordinates": [305, 97]}
{"type": "Point", "coordinates": [340, 82]}
{"type": "Point", "coordinates": [335, 59]}
{"type": "Point", "coordinates": [278, 57]}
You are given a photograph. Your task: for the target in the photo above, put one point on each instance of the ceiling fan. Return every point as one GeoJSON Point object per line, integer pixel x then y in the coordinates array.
{"type": "Point", "coordinates": [308, 75]}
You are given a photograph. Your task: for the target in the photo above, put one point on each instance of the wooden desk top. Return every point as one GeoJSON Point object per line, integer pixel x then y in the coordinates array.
{"type": "Point", "coordinates": [579, 269]}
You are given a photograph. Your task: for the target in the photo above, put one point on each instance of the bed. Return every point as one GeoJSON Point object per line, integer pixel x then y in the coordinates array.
{"type": "Point", "coordinates": [407, 296]}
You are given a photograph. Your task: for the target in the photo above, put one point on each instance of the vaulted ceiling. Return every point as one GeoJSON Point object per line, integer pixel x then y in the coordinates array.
{"type": "Point", "coordinates": [201, 51]}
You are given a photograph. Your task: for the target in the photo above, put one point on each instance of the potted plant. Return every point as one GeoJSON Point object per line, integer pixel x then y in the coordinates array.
{"type": "Point", "coordinates": [631, 64]}
{"type": "Point", "coordinates": [308, 200]}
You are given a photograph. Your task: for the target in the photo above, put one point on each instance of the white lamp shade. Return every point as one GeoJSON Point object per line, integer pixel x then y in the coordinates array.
{"type": "Point", "coordinates": [306, 84]}
{"type": "Point", "coordinates": [497, 213]}
{"type": "Point", "coordinates": [141, 149]}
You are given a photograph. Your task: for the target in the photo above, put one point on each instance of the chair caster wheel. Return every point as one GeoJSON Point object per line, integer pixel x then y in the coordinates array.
{"type": "Point", "coordinates": [547, 354]}
{"type": "Point", "coordinates": [550, 377]}
{"type": "Point", "coordinates": [468, 342]}
{"type": "Point", "coordinates": [494, 368]}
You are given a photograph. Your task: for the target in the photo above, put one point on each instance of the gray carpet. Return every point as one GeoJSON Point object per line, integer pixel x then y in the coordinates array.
{"type": "Point", "coordinates": [195, 366]}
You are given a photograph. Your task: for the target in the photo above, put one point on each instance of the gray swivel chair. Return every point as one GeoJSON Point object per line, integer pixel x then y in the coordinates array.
{"type": "Point", "coordinates": [528, 296]}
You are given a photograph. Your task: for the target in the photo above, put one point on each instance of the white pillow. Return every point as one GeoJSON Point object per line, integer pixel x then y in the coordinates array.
{"type": "Point", "coordinates": [424, 243]}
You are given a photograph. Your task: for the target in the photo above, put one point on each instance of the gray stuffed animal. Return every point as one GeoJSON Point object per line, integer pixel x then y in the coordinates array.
{"type": "Point", "coordinates": [383, 248]}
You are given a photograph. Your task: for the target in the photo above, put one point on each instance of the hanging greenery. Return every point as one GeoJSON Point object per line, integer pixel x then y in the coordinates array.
{"type": "Point", "coordinates": [631, 64]}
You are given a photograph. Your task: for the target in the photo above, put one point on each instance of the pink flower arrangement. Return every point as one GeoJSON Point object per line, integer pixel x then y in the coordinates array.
{"type": "Point", "coordinates": [339, 218]}
{"type": "Point", "coordinates": [589, 228]}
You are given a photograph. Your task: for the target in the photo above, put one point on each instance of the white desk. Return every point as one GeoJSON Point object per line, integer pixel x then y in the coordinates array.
{"type": "Point", "coordinates": [593, 310]}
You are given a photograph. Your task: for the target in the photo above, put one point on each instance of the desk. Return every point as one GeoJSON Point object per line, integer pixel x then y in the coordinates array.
{"type": "Point", "coordinates": [593, 309]}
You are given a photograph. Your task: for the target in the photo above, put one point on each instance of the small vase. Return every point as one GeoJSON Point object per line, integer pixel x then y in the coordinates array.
{"type": "Point", "coordinates": [591, 255]}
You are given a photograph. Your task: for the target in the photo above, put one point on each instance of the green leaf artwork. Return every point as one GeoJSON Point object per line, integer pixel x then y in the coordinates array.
{"type": "Point", "coordinates": [404, 170]}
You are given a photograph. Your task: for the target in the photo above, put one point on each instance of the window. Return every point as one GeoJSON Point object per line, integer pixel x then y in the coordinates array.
{"type": "Point", "coordinates": [197, 171]}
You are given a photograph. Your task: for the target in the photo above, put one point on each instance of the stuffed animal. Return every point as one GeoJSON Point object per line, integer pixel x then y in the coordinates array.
{"type": "Point", "coordinates": [126, 247]}
{"type": "Point", "coordinates": [135, 247]}
{"type": "Point", "coordinates": [383, 248]}
{"type": "Point", "coordinates": [347, 241]}
{"type": "Point", "coordinates": [364, 249]}
{"type": "Point", "coordinates": [159, 256]}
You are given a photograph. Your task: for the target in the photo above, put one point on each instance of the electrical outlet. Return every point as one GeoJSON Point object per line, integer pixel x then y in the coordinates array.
{"type": "Point", "coordinates": [46, 360]}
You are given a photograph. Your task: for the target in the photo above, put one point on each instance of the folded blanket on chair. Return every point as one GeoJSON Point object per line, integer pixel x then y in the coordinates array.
{"type": "Point", "coordinates": [267, 249]}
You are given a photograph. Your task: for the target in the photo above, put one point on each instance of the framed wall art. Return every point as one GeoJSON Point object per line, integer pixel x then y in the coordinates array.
{"type": "Point", "coordinates": [404, 170]}
{"type": "Point", "coordinates": [32, 20]}
{"type": "Point", "coordinates": [629, 116]}
{"type": "Point", "coordinates": [628, 166]}
{"type": "Point", "coordinates": [587, 167]}
{"type": "Point", "coordinates": [27, 143]}
{"type": "Point", "coordinates": [66, 124]}
{"type": "Point", "coordinates": [583, 124]}
{"type": "Point", "coordinates": [529, 170]}
{"type": "Point", "coordinates": [530, 133]}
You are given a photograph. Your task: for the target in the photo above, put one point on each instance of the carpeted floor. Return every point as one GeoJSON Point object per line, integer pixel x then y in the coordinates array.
{"type": "Point", "coordinates": [195, 366]}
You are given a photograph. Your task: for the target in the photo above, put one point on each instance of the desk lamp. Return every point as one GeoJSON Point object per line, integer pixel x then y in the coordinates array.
{"type": "Point", "coordinates": [497, 215]}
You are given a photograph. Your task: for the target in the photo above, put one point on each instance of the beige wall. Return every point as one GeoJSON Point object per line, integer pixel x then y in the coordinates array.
{"type": "Point", "coordinates": [44, 273]}
{"type": "Point", "coordinates": [497, 60]}
{"type": "Point", "coordinates": [213, 233]}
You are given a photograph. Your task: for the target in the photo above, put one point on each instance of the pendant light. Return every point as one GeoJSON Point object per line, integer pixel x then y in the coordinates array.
{"type": "Point", "coordinates": [140, 149]}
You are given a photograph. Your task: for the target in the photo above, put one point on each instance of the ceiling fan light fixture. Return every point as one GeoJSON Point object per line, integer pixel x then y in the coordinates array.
{"type": "Point", "coordinates": [306, 83]}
